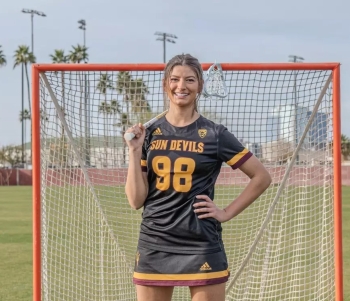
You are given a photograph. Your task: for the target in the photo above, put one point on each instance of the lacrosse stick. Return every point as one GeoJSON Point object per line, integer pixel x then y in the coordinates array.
{"type": "Point", "coordinates": [214, 84]}
{"type": "Point", "coordinates": [129, 136]}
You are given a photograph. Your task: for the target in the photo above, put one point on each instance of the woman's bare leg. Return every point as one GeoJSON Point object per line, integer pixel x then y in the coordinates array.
{"type": "Point", "coordinates": [214, 292]}
{"type": "Point", "coordinates": [154, 293]}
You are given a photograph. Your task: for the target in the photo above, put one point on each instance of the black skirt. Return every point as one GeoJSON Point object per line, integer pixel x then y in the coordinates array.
{"type": "Point", "coordinates": [156, 268]}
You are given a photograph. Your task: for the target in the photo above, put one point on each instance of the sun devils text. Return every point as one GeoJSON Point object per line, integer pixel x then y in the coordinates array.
{"type": "Point", "coordinates": [178, 145]}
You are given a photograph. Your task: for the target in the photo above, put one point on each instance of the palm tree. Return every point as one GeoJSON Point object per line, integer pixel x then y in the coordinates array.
{"type": "Point", "coordinates": [2, 58]}
{"type": "Point", "coordinates": [134, 91]}
{"type": "Point", "coordinates": [104, 84]}
{"type": "Point", "coordinates": [23, 57]}
{"type": "Point", "coordinates": [123, 87]}
{"type": "Point", "coordinates": [23, 117]}
{"type": "Point", "coordinates": [140, 105]}
{"type": "Point", "coordinates": [134, 96]}
{"type": "Point", "coordinates": [59, 58]}
{"type": "Point", "coordinates": [77, 55]}
{"type": "Point", "coordinates": [108, 109]}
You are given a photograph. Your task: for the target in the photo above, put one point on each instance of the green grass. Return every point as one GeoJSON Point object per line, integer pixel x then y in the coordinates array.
{"type": "Point", "coordinates": [15, 243]}
{"type": "Point", "coordinates": [16, 237]}
{"type": "Point", "coordinates": [346, 242]}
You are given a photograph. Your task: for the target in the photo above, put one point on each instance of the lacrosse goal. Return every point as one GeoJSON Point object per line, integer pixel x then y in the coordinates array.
{"type": "Point", "coordinates": [286, 246]}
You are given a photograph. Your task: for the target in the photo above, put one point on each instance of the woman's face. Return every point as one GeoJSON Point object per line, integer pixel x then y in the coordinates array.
{"type": "Point", "coordinates": [182, 86]}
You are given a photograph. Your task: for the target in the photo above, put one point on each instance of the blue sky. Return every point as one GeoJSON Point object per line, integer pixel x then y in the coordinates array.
{"type": "Point", "coordinates": [221, 30]}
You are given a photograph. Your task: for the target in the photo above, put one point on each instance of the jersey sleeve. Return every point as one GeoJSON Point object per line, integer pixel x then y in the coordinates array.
{"type": "Point", "coordinates": [144, 154]}
{"type": "Point", "coordinates": [231, 151]}
{"type": "Point", "coordinates": [144, 159]}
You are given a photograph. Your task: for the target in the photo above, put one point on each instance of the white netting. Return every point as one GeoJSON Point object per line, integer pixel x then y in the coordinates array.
{"type": "Point", "coordinates": [280, 248]}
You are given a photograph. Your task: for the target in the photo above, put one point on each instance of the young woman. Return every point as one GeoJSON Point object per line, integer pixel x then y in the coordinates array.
{"type": "Point", "coordinates": [181, 155]}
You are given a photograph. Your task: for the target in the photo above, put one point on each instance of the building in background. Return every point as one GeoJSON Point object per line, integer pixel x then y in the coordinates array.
{"type": "Point", "coordinates": [292, 122]}
{"type": "Point", "coordinates": [254, 148]}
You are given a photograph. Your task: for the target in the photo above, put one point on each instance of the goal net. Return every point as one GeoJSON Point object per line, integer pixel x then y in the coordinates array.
{"type": "Point", "coordinates": [285, 246]}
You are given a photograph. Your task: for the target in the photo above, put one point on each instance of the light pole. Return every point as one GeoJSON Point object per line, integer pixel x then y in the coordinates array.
{"type": "Point", "coordinates": [82, 26]}
{"type": "Point", "coordinates": [295, 59]}
{"type": "Point", "coordinates": [33, 12]}
{"type": "Point", "coordinates": [165, 37]}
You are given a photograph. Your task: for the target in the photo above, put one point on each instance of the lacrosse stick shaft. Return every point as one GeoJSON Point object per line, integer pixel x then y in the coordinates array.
{"type": "Point", "coordinates": [129, 136]}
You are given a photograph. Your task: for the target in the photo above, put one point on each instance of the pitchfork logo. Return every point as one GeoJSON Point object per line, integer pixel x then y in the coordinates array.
{"type": "Point", "coordinates": [202, 133]}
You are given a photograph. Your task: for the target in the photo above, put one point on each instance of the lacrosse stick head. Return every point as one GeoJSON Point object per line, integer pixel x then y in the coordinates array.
{"type": "Point", "coordinates": [214, 84]}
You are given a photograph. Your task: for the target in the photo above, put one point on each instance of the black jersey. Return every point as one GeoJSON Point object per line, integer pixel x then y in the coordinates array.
{"type": "Point", "coordinates": [181, 163]}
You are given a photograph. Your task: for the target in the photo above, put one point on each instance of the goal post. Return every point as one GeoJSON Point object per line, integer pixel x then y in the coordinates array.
{"type": "Point", "coordinates": [286, 246]}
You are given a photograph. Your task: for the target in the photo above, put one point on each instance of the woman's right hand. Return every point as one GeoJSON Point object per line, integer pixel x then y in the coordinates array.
{"type": "Point", "coordinates": [140, 132]}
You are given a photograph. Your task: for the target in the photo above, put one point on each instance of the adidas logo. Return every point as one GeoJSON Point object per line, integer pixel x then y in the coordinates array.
{"type": "Point", "coordinates": [157, 131]}
{"type": "Point", "coordinates": [205, 267]}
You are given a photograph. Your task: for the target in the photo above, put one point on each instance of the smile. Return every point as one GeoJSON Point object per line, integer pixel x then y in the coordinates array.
{"type": "Point", "coordinates": [181, 94]}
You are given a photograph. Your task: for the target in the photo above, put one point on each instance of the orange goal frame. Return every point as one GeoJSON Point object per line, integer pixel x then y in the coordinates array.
{"type": "Point", "coordinates": [38, 68]}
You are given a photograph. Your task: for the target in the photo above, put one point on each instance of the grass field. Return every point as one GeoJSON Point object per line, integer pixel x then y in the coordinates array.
{"type": "Point", "coordinates": [16, 243]}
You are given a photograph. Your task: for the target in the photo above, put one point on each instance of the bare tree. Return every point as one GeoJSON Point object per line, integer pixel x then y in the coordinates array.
{"type": "Point", "coordinates": [11, 154]}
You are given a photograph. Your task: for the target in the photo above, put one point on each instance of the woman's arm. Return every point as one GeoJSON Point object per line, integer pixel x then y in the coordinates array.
{"type": "Point", "coordinates": [136, 186]}
{"type": "Point", "coordinates": [260, 180]}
